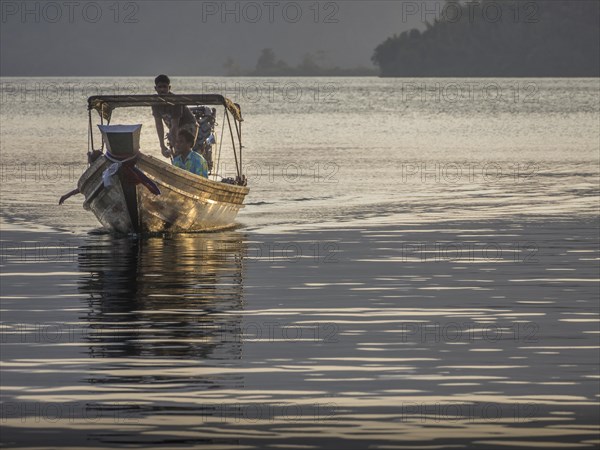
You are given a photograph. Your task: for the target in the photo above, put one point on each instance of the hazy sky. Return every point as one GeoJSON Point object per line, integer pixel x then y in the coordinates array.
{"type": "Point", "coordinates": [189, 37]}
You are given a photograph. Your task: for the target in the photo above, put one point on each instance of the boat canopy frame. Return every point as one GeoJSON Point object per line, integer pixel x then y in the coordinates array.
{"type": "Point", "coordinates": [106, 104]}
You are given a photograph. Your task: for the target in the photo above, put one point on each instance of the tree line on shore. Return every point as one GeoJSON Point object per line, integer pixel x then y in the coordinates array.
{"type": "Point", "coordinates": [476, 38]}
{"type": "Point", "coordinates": [499, 38]}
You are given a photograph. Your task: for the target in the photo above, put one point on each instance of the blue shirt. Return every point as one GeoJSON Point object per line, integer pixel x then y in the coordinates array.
{"type": "Point", "coordinates": [194, 162]}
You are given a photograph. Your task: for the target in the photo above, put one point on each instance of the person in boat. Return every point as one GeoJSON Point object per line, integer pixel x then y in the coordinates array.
{"type": "Point", "coordinates": [175, 117]}
{"type": "Point", "coordinates": [185, 158]}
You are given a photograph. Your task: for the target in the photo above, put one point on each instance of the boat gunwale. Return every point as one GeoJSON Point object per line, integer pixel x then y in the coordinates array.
{"type": "Point", "coordinates": [196, 179]}
{"type": "Point", "coordinates": [193, 186]}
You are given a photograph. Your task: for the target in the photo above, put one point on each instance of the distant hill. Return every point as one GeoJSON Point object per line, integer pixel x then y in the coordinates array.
{"type": "Point", "coordinates": [499, 39]}
{"type": "Point", "coordinates": [268, 65]}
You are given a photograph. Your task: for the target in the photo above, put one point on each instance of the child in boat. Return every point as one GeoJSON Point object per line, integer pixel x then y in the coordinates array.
{"type": "Point", "coordinates": [185, 158]}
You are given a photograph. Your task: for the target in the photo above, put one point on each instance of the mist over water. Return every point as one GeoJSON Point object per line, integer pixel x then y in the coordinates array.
{"type": "Point", "coordinates": [416, 267]}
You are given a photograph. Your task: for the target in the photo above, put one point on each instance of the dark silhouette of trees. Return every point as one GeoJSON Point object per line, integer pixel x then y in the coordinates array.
{"type": "Point", "coordinates": [232, 68]}
{"type": "Point", "coordinates": [499, 38]}
{"type": "Point", "coordinates": [268, 65]}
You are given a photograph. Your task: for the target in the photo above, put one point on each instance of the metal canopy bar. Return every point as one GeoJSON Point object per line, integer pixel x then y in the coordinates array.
{"type": "Point", "coordinates": [105, 104]}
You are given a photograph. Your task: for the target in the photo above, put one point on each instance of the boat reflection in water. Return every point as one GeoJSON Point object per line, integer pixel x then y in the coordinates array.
{"type": "Point", "coordinates": [164, 319]}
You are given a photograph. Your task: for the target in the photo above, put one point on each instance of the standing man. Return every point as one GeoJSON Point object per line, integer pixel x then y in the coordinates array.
{"type": "Point", "coordinates": [175, 117]}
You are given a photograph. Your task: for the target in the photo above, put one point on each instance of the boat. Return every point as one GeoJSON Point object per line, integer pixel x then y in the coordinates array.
{"type": "Point", "coordinates": [131, 192]}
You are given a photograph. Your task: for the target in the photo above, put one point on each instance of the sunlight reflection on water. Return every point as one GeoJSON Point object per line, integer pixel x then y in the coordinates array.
{"type": "Point", "coordinates": [206, 339]}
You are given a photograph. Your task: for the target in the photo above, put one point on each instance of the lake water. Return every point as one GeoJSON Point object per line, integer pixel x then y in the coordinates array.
{"type": "Point", "coordinates": [416, 267]}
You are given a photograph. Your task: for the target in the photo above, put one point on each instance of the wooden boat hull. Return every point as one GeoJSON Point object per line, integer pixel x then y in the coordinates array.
{"type": "Point", "coordinates": [187, 202]}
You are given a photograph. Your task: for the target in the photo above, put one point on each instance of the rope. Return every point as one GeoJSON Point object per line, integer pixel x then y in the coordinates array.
{"type": "Point", "coordinates": [239, 135]}
{"type": "Point", "coordinates": [102, 123]}
{"type": "Point", "coordinates": [220, 146]}
{"type": "Point", "coordinates": [112, 170]}
{"type": "Point", "coordinates": [90, 128]}
{"type": "Point", "coordinates": [233, 143]}
{"type": "Point", "coordinates": [114, 159]}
